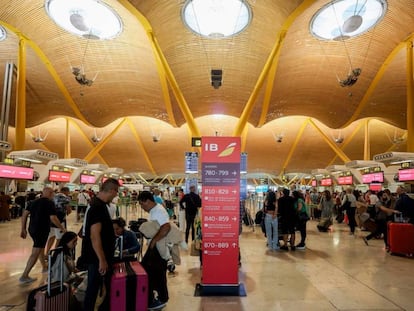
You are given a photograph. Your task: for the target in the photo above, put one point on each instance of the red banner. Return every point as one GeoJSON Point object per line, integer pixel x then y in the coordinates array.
{"type": "Point", "coordinates": [221, 215]}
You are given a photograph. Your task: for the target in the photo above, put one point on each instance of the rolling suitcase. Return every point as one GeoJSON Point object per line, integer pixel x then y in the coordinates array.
{"type": "Point", "coordinates": [52, 296]}
{"type": "Point", "coordinates": [401, 239]}
{"type": "Point", "coordinates": [129, 287]}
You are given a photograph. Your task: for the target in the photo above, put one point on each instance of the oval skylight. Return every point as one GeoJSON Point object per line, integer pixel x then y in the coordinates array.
{"type": "Point", "coordinates": [91, 19]}
{"type": "Point", "coordinates": [344, 19]}
{"type": "Point", "coordinates": [216, 18]}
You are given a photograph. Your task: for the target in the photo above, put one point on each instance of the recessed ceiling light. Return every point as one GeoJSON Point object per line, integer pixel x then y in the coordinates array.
{"type": "Point", "coordinates": [216, 19]}
{"type": "Point", "coordinates": [344, 19]}
{"type": "Point", "coordinates": [91, 19]}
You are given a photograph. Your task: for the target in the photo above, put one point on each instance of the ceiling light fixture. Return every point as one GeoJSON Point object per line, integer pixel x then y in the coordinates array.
{"type": "Point", "coordinates": [91, 19]}
{"type": "Point", "coordinates": [216, 19]}
{"type": "Point", "coordinates": [3, 33]}
{"type": "Point", "coordinates": [344, 19]}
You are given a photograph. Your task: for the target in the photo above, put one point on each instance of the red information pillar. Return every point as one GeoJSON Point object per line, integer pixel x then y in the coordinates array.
{"type": "Point", "coordinates": [220, 216]}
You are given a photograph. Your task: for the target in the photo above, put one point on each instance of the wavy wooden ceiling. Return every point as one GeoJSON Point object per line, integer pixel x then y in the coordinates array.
{"type": "Point", "coordinates": [133, 90]}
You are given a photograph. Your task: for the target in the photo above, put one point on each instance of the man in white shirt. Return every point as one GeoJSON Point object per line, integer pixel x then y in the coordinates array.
{"type": "Point", "coordinates": [153, 263]}
{"type": "Point", "coordinates": [83, 201]}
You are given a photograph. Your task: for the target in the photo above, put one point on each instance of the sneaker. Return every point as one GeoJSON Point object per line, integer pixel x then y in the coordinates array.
{"type": "Point", "coordinates": [301, 246]}
{"type": "Point", "coordinates": [170, 266]}
{"type": "Point", "coordinates": [293, 248]}
{"type": "Point", "coordinates": [156, 305]}
{"type": "Point", "coordinates": [284, 248]}
{"type": "Point", "coordinates": [365, 241]}
{"type": "Point", "coordinates": [27, 280]}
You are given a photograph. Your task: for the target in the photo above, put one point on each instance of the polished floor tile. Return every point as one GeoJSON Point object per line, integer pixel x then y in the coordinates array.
{"type": "Point", "coordinates": [335, 272]}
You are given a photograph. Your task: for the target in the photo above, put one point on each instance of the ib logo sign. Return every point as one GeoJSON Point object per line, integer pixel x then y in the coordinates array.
{"type": "Point", "coordinates": [221, 149]}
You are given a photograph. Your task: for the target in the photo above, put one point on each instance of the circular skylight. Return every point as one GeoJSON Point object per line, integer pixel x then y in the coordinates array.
{"type": "Point", "coordinates": [3, 33]}
{"type": "Point", "coordinates": [344, 19]}
{"type": "Point", "coordinates": [91, 19]}
{"type": "Point", "coordinates": [216, 18]}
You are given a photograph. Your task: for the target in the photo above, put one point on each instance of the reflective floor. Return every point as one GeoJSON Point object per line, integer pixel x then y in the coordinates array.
{"type": "Point", "coordinates": [336, 272]}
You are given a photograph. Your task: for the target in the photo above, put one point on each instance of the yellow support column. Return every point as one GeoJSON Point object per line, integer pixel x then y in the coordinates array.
{"type": "Point", "coordinates": [367, 146]}
{"type": "Point", "coordinates": [67, 140]}
{"type": "Point", "coordinates": [21, 97]}
{"type": "Point", "coordinates": [410, 99]}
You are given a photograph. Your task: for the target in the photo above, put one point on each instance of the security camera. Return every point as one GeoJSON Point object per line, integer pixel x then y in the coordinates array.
{"type": "Point", "coordinates": [279, 139]}
{"type": "Point", "coordinates": [339, 140]}
{"type": "Point", "coordinates": [155, 139]}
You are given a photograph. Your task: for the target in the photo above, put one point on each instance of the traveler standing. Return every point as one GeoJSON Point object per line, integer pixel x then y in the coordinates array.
{"type": "Point", "coordinates": [83, 201]}
{"type": "Point", "coordinates": [153, 263]}
{"type": "Point", "coordinates": [42, 212]}
{"type": "Point", "coordinates": [349, 205]}
{"type": "Point", "coordinates": [5, 201]}
{"type": "Point", "coordinates": [287, 218]}
{"type": "Point", "coordinates": [63, 208]}
{"type": "Point", "coordinates": [98, 244]}
{"type": "Point", "coordinates": [190, 202]}
{"type": "Point", "coordinates": [300, 207]}
{"type": "Point", "coordinates": [271, 222]}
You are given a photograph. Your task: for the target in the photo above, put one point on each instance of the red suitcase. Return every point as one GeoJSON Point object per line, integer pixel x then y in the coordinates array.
{"type": "Point", "coordinates": [129, 287]}
{"type": "Point", "coordinates": [52, 296]}
{"type": "Point", "coordinates": [401, 238]}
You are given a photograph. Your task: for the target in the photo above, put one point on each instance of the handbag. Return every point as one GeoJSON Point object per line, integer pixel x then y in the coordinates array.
{"type": "Point", "coordinates": [193, 249]}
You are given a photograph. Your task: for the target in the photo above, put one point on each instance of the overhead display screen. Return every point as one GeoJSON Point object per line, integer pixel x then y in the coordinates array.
{"type": "Point", "coordinates": [373, 178]}
{"type": "Point", "coordinates": [59, 176]}
{"type": "Point", "coordinates": [326, 182]}
{"type": "Point", "coordinates": [16, 172]}
{"type": "Point", "coordinates": [191, 162]}
{"type": "Point", "coordinates": [345, 180]}
{"type": "Point", "coordinates": [406, 174]}
{"type": "Point", "coordinates": [87, 179]}
{"type": "Point", "coordinates": [375, 187]}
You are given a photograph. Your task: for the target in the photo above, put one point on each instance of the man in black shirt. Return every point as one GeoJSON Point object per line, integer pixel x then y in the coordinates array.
{"type": "Point", "coordinates": [405, 204]}
{"type": "Point", "coordinates": [287, 218]}
{"type": "Point", "coordinates": [42, 213]}
{"type": "Point", "coordinates": [192, 202]}
{"type": "Point", "coordinates": [98, 244]}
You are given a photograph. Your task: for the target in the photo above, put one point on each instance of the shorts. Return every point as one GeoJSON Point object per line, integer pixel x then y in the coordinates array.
{"type": "Point", "coordinates": [81, 209]}
{"type": "Point", "coordinates": [287, 227]}
{"type": "Point", "coordinates": [56, 232]}
{"type": "Point", "coordinates": [39, 239]}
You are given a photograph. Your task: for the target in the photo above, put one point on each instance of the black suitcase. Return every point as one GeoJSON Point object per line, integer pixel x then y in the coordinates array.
{"type": "Point", "coordinates": [324, 224]}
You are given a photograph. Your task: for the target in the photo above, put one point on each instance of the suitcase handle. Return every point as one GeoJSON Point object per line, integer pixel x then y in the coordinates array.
{"type": "Point", "coordinates": [58, 251]}
{"type": "Point", "coordinates": [119, 246]}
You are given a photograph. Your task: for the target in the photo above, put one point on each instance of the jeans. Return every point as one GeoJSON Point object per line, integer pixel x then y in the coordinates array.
{"type": "Point", "coordinates": [272, 233]}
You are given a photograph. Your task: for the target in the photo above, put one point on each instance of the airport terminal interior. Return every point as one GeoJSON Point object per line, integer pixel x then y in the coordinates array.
{"type": "Point", "coordinates": [336, 272]}
{"type": "Point", "coordinates": [318, 93]}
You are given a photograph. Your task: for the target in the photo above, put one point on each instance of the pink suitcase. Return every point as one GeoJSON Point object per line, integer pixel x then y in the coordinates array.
{"type": "Point", "coordinates": [129, 287]}
{"type": "Point", "coordinates": [52, 296]}
{"type": "Point", "coordinates": [401, 238]}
